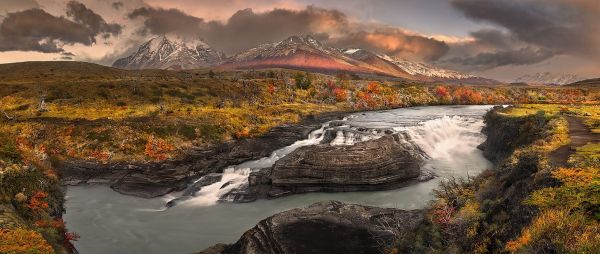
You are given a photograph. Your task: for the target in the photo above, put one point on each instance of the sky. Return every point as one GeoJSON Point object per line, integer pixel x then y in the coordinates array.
{"type": "Point", "coordinates": [500, 39]}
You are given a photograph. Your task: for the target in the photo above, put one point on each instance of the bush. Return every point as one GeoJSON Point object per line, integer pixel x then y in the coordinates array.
{"type": "Point", "coordinates": [21, 240]}
{"type": "Point", "coordinates": [558, 231]}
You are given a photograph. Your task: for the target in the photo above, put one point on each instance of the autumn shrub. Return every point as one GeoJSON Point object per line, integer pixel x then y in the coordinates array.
{"type": "Point", "coordinates": [19, 240]}
{"type": "Point", "coordinates": [558, 231]}
{"type": "Point", "coordinates": [158, 148]}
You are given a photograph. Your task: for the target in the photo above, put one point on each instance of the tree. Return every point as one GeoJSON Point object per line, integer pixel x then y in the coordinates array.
{"type": "Point", "coordinates": [211, 74]}
{"type": "Point", "coordinates": [302, 81]}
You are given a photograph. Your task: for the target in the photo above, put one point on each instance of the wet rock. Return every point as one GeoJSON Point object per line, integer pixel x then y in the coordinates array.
{"type": "Point", "coordinates": [325, 227]}
{"type": "Point", "coordinates": [371, 165]}
{"type": "Point", "coordinates": [159, 178]}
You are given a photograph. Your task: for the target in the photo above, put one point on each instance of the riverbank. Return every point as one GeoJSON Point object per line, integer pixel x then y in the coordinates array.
{"type": "Point", "coordinates": [136, 225]}
{"type": "Point", "coordinates": [524, 204]}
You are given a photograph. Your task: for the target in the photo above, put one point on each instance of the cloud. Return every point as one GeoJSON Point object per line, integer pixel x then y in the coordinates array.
{"type": "Point", "coordinates": [563, 26]}
{"type": "Point", "coordinates": [37, 30]}
{"type": "Point", "coordinates": [17, 5]}
{"type": "Point", "coordinates": [117, 5]}
{"type": "Point", "coordinates": [522, 56]}
{"type": "Point", "coordinates": [246, 29]}
{"type": "Point", "coordinates": [82, 15]}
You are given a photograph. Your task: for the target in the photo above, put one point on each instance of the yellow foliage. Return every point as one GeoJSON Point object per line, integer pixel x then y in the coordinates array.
{"type": "Point", "coordinates": [19, 240]}
{"type": "Point", "coordinates": [560, 230]}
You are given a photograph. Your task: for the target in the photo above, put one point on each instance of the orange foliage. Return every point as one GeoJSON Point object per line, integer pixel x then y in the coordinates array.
{"type": "Point", "coordinates": [340, 94]}
{"type": "Point", "coordinates": [373, 88]}
{"type": "Point", "coordinates": [442, 91]}
{"type": "Point", "coordinates": [37, 203]}
{"type": "Point", "coordinates": [23, 241]}
{"type": "Point", "coordinates": [157, 148]}
{"type": "Point", "coordinates": [244, 133]}
{"type": "Point", "coordinates": [102, 156]}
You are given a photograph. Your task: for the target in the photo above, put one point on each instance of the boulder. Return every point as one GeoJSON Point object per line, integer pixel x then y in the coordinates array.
{"type": "Point", "coordinates": [325, 227]}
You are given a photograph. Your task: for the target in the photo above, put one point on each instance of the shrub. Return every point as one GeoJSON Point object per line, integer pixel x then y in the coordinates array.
{"type": "Point", "coordinates": [558, 231]}
{"type": "Point", "coordinates": [21, 240]}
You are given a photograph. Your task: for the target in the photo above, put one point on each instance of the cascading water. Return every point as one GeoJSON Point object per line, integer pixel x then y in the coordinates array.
{"type": "Point", "coordinates": [444, 139]}
{"type": "Point", "coordinates": [135, 225]}
{"type": "Point", "coordinates": [236, 177]}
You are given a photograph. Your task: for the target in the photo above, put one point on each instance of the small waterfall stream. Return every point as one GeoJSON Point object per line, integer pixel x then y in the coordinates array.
{"type": "Point", "coordinates": [109, 222]}
{"type": "Point", "coordinates": [442, 138]}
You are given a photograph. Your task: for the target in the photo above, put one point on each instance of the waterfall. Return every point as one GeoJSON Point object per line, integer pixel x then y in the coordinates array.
{"type": "Point", "coordinates": [447, 137]}
{"type": "Point", "coordinates": [444, 139]}
{"type": "Point", "coordinates": [236, 177]}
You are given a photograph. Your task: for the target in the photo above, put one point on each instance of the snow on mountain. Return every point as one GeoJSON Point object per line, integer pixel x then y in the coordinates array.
{"type": "Point", "coordinates": [297, 52]}
{"type": "Point", "coordinates": [421, 69]}
{"type": "Point", "coordinates": [171, 53]}
{"type": "Point", "coordinates": [547, 78]}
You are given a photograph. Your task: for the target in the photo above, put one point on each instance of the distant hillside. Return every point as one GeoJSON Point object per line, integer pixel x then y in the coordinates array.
{"type": "Point", "coordinates": [41, 71]}
{"type": "Point", "coordinates": [547, 78]}
{"type": "Point", "coordinates": [587, 82]}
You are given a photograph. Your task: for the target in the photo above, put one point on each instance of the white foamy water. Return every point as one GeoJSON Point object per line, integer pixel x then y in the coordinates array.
{"type": "Point", "coordinates": [112, 223]}
{"type": "Point", "coordinates": [236, 177]}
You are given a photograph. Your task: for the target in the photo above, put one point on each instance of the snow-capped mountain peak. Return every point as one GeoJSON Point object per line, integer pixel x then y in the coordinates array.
{"type": "Point", "coordinates": [416, 68]}
{"type": "Point", "coordinates": [164, 52]}
{"type": "Point", "coordinates": [547, 78]}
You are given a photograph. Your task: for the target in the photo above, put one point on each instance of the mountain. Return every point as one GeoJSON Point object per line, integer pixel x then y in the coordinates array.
{"type": "Point", "coordinates": [298, 52]}
{"type": "Point", "coordinates": [295, 52]}
{"type": "Point", "coordinates": [307, 53]}
{"type": "Point", "coordinates": [171, 53]}
{"type": "Point", "coordinates": [547, 78]}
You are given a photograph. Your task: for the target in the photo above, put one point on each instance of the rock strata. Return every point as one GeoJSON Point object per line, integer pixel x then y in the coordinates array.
{"type": "Point", "coordinates": [369, 165]}
{"type": "Point", "coordinates": [325, 227]}
{"type": "Point", "coordinates": [156, 179]}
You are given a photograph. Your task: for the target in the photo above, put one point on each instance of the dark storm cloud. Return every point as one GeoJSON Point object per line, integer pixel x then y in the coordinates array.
{"type": "Point", "coordinates": [523, 56]}
{"type": "Point", "coordinates": [37, 30]}
{"type": "Point", "coordinates": [246, 29]}
{"type": "Point", "coordinates": [117, 5]}
{"type": "Point", "coordinates": [82, 15]}
{"type": "Point", "coordinates": [562, 26]}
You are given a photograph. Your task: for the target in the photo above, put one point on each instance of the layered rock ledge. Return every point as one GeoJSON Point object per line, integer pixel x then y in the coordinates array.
{"type": "Point", "coordinates": [325, 227]}
{"type": "Point", "coordinates": [156, 179]}
{"type": "Point", "coordinates": [388, 162]}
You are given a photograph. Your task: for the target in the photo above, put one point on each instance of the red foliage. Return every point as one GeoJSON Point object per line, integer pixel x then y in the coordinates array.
{"type": "Point", "coordinates": [272, 89]}
{"type": "Point", "coordinates": [442, 92]}
{"type": "Point", "coordinates": [157, 148]}
{"type": "Point", "coordinates": [37, 203]}
{"type": "Point", "coordinates": [442, 215]}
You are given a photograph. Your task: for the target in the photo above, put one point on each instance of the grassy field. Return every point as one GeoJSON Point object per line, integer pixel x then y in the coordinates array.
{"type": "Point", "coordinates": [71, 110]}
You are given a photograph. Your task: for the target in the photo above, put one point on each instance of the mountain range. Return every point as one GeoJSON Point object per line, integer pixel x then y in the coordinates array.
{"type": "Point", "coordinates": [547, 78]}
{"type": "Point", "coordinates": [171, 53]}
{"type": "Point", "coordinates": [295, 52]}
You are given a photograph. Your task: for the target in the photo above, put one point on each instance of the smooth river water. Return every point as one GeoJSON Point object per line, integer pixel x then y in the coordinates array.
{"type": "Point", "coordinates": [109, 222]}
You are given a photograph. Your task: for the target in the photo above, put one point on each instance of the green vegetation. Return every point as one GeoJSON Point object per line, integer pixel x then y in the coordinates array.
{"type": "Point", "coordinates": [52, 111]}
{"type": "Point", "coordinates": [524, 205]}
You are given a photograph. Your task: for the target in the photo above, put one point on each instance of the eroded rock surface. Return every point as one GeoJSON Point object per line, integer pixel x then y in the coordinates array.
{"type": "Point", "coordinates": [369, 165]}
{"type": "Point", "coordinates": [156, 179]}
{"type": "Point", "coordinates": [324, 227]}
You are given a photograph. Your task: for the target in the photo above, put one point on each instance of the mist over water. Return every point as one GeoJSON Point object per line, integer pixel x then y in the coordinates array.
{"type": "Point", "coordinates": [109, 222]}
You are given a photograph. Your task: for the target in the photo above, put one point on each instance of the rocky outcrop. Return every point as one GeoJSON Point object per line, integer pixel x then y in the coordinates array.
{"type": "Point", "coordinates": [369, 165]}
{"type": "Point", "coordinates": [156, 179]}
{"type": "Point", "coordinates": [505, 133]}
{"type": "Point", "coordinates": [325, 227]}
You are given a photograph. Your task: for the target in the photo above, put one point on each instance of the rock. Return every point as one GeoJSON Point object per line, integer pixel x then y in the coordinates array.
{"type": "Point", "coordinates": [155, 179]}
{"type": "Point", "coordinates": [324, 227]}
{"type": "Point", "coordinates": [370, 165]}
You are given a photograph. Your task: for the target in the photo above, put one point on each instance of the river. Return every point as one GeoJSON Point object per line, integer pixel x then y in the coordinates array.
{"type": "Point", "coordinates": [109, 222]}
